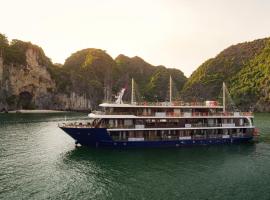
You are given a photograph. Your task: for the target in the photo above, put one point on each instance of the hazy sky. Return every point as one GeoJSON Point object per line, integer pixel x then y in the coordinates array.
{"type": "Point", "coordinates": [175, 33]}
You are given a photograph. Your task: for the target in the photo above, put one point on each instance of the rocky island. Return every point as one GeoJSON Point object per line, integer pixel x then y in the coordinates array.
{"type": "Point", "coordinates": [30, 80]}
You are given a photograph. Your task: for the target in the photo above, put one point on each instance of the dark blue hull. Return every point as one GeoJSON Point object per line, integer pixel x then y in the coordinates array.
{"type": "Point", "coordinates": [98, 137]}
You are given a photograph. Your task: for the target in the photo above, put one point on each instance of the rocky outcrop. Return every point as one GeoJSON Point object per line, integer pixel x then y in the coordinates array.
{"type": "Point", "coordinates": [33, 80]}
{"type": "Point", "coordinates": [30, 86]}
{"type": "Point", "coordinates": [71, 102]}
{"type": "Point", "coordinates": [27, 86]}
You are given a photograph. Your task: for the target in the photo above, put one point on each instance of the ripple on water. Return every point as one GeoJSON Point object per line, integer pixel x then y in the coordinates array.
{"type": "Point", "coordinates": [38, 161]}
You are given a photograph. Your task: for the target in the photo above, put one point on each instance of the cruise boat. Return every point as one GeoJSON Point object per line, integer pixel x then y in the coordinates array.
{"type": "Point", "coordinates": [162, 124]}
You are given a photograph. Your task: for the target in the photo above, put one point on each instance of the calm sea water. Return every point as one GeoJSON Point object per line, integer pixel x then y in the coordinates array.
{"type": "Point", "coordinates": [38, 161]}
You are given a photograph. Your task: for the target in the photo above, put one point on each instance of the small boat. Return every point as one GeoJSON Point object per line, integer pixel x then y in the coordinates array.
{"type": "Point", "coordinates": [162, 124]}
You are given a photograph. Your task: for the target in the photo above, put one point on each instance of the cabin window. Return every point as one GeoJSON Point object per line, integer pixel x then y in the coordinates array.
{"type": "Point", "coordinates": [177, 111]}
{"type": "Point", "coordinates": [111, 123]}
{"type": "Point", "coordinates": [128, 122]}
{"type": "Point", "coordinates": [115, 135]}
{"type": "Point", "coordinates": [124, 135]}
{"type": "Point", "coordinates": [139, 122]}
{"type": "Point", "coordinates": [111, 110]}
{"type": "Point", "coordinates": [241, 122]}
{"type": "Point", "coordinates": [145, 111]}
{"type": "Point", "coordinates": [211, 122]}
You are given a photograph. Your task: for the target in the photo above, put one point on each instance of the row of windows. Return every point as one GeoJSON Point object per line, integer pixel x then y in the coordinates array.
{"type": "Point", "coordinates": [173, 134]}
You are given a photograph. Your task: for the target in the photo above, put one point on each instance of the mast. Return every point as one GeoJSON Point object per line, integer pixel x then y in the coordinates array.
{"type": "Point", "coordinates": [224, 98]}
{"type": "Point", "coordinates": [132, 91]}
{"type": "Point", "coordinates": [170, 89]}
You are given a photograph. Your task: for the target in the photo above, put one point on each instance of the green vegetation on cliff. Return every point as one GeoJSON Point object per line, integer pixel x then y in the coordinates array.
{"type": "Point", "coordinates": [95, 76]}
{"type": "Point", "coordinates": [86, 73]}
{"type": "Point", "coordinates": [90, 73]}
{"type": "Point", "coordinates": [14, 52]}
{"type": "Point", "coordinates": [251, 85]}
{"type": "Point", "coordinates": [93, 73]}
{"type": "Point", "coordinates": [3, 44]}
{"type": "Point", "coordinates": [243, 67]}
{"type": "Point", "coordinates": [152, 81]}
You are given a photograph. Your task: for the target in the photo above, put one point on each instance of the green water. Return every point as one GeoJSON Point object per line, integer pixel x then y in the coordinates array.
{"type": "Point", "coordinates": [38, 161]}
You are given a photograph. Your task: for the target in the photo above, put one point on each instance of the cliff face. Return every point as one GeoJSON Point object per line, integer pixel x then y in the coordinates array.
{"type": "Point", "coordinates": [29, 80]}
{"type": "Point", "coordinates": [71, 101]}
{"type": "Point", "coordinates": [26, 81]}
{"type": "Point", "coordinates": [31, 84]}
{"type": "Point", "coordinates": [25, 86]}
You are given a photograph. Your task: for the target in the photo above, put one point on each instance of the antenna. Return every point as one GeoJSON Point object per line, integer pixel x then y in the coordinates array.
{"type": "Point", "coordinates": [132, 91]}
{"type": "Point", "coordinates": [170, 89]}
{"type": "Point", "coordinates": [224, 98]}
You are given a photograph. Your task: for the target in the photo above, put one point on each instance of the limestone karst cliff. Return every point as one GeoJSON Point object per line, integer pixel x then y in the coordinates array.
{"type": "Point", "coordinates": [29, 80]}
{"type": "Point", "coordinates": [26, 82]}
{"type": "Point", "coordinates": [94, 74]}
{"type": "Point", "coordinates": [244, 67]}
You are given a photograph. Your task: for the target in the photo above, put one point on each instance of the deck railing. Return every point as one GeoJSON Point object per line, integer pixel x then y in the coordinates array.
{"type": "Point", "coordinates": [193, 137]}
{"type": "Point", "coordinates": [185, 114]}
{"type": "Point", "coordinates": [174, 103]}
{"type": "Point", "coordinates": [161, 125]}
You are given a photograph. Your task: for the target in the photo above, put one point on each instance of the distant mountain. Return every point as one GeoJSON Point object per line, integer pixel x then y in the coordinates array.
{"type": "Point", "coordinates": [85, 73]}
{"type": "Point", "coordinates": [93, 73]}
{"type": "Point", "coordinates": [244, 67]}
{"type": "Point", "coordinates": [152, 81]}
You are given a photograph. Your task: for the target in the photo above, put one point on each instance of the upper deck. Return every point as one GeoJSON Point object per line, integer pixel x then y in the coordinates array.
{"type": "Point", "coordinates": [165, 111]}
{"type": "Point", "coordinates": [165, 105]}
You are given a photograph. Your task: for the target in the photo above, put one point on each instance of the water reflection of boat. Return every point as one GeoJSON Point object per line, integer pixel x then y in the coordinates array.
{"type": "Point", "coordinates": [213, 153]}
{"type": "Point", "coordinates": [162, 124]}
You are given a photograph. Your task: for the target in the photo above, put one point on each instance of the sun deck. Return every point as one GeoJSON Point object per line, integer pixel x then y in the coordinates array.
{"type": "Point", "coordinates": [171, 115]}
{"type": "Point", "coordinates": [162, 105]}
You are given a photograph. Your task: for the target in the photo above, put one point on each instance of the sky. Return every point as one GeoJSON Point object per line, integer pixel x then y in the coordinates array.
{"type": "Point", "coordinates": [175, 33]}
